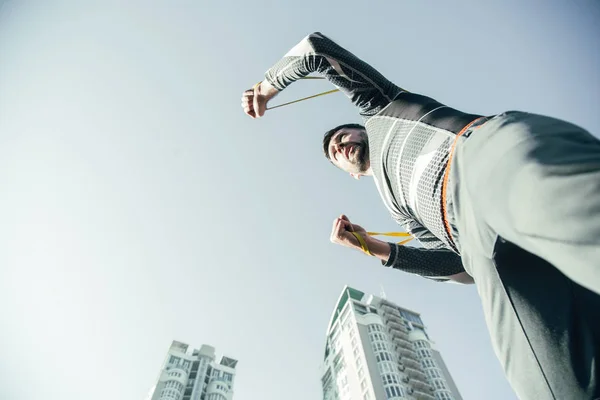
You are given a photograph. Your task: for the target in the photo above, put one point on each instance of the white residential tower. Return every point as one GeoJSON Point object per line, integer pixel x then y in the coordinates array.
{"type": "Point", "coordinates": [377, 350]}
{"type": "Point", "coordinates": [190, 374]}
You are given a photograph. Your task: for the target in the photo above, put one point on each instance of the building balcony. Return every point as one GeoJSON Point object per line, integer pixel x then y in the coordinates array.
{"type": "Point", "coordinates": [390, 310]}
{"type": "Point", "coordinates": [410, 363]}
{"type": "Point", "coordinates": [396, 324]}
{"type": "Point", "coordinates": [419, 395]}
{"type": "Point", "coordinates": [396, 333]}
{"type": "Point", "coordinates": [387, 305]}
{"type": "Point", "coordinates": [392, 319]}
{"type": "Point", "coordinates": [421, 386]}
{"type": "Point", "coordinates": [404, 352]}
{"type": "Point", "coordinates": [416, 374]}
{"type": "Point", "coordinates": [402, 342]}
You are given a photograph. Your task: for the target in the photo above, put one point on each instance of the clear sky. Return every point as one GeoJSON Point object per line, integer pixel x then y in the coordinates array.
{"type": "Point", "coordinates": [140, 205]}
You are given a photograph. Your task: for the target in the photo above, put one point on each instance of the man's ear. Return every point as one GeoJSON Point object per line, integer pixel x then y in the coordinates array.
{"type": "Point", "coordinates": [355, 176]}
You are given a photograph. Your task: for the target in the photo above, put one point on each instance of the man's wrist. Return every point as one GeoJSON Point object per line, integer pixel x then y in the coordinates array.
{"type": "Point", "coordinates": [378, 248]}
{"type": "Point", "coordinates": [266, 89]}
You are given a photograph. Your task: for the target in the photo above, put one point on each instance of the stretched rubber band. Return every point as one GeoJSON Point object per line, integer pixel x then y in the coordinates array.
{"type": "Point", "coordinates": [394, 234]}
{"type": "Point", "coordinates": [304, 98]}
{"type": "Point", "coordinates": [363, 243]}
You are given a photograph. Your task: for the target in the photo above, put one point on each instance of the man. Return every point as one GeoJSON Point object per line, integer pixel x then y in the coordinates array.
{"type": "Point", "coordinates": [509, 202]}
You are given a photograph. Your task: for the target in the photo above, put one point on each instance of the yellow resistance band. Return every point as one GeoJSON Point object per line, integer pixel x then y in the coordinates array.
{"type": "Point", "coordinates": [362, 242]}
{"type": "Point", "coordinates": [304, 98]}
{"type": "Point", "coordinates": [364, 246]}
{"type": "Point", "coordinates": [394, 234]}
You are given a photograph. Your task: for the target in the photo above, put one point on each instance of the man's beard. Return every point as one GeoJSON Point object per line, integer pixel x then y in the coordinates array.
{"type": "Point", "coordinates": [361, 157]}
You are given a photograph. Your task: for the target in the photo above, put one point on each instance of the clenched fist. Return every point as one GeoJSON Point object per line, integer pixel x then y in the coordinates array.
{"type": "Point", "coordinates": [254, 101]}
{"type": "Point", "coordinates": [341, 232]}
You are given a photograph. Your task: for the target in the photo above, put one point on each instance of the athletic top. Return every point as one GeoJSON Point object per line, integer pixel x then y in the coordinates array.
{"type": "Point", "coordinates": [410, 137]}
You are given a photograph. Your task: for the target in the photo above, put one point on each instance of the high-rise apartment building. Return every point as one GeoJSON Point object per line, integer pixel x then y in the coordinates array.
{"type": "Point", "coordinates": [377, 350]}
{"type": "Point", "coordinates": [191, 374]}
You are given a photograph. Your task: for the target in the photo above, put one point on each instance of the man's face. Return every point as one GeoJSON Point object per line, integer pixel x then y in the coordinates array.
{"type": "Point", "coordinates": [349, 151]}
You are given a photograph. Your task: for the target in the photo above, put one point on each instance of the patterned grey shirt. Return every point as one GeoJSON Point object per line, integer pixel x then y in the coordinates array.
{"type": "Point", "coordinates": [409, 143]}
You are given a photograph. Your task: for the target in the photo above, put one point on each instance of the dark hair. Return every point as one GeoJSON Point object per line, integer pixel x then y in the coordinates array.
{"type": "Point", "coordinates": [329, 134]}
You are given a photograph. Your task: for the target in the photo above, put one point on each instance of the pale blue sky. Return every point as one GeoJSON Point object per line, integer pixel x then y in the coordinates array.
{"type": "Point", "coordinates": [139, 205]}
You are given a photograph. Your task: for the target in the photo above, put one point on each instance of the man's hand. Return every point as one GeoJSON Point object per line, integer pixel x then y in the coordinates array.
{"type": "Point", "coordinates": [340, 233]}
{"type": "Point", "coordinates": [254, 101]}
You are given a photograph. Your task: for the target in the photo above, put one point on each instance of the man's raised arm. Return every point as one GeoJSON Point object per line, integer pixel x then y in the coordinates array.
{"type": "Point", "coordinates": [367, 89]}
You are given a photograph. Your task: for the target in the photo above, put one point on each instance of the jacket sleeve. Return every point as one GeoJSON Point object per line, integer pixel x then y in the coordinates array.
{"type": "Point", "coordinates": [367, 89]}
{"type": "Point", "coordinates": [435, 264]}
{"type": "Point", "coordinates": [434, 261]}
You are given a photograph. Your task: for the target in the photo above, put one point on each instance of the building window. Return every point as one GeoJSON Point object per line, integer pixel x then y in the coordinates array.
{"type": "Point", "coordinates": [339, 363]}
{"type": "Point", "coordinates": [360, 309]}
{"type": "Point", "coordinates": [394, 391]}
{"type": "Point", "coordinates": [379, 346]}
{"type": "Point", "coordinates": [345, 313]}
{"type": "Point", "coordinates": [335, 344]}
{"type": "Point", "coordinates": [384, 367]}
{"type": "Point", "coordinates": [427, 363]}
{"type": "Point", "coordinates": [389, 379]}
{"type": "Point", "coordinates": [347, 324]}
{"type": "Point", "coordinates": [411, 317]}
{"type": "Point", "coordinates": [443, 396]}
{"type": "Point", "coordinates": [424, 353]}
{"type": "Point", "coordinates": [433, 373]}
{"type": "Point", "coordinates": [383, 356]}
{"type": "Point", "coordinates": [439, 384]}
{"type": "Point", "coordinates": [374, 328]}
{"type": "Point", "coordinates": [335, 333]}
